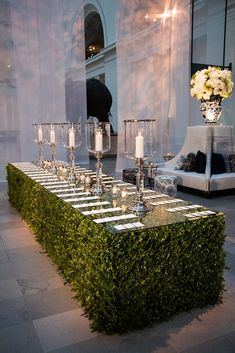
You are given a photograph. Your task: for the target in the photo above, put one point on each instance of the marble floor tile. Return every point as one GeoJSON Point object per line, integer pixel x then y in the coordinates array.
{"type": "Point", "coordinates": [17, 237]}
{"type": "Point", "coordinates": [9, 289]}
{"type": "Point", "coordinates": [229, 282]}
{"type": "Point", "coordinates": [63, 329]}
{"type": "Point", "coordinates": [44, 303]}
{"type": "Point", "coordinates": [230, 297]}
{"type": "Point", "coordinates": [92, 345]}
{"type": "Point", "coordinates": [11, 224]}
{"type": "Point", "coordinates": [230, 262]}
{"type": "Point", "coordinates": [231, 337]}
{"type": "Point", "coordinates": [13, 312]}
{"type": "Point", "coordinates": [207, 325]}
{"type": "Point", "coordinates": [28, 254]}
{"type": "Point", "coordinates": [33, 285]}
{"type": "Point", "coordinates": [3, 257]}
{"type": "Point", "coordinates": [218, 345]}
{"type": "Point", "coordinates": [10, 215]}
{"type": "Point", "coordinates": [229, 245]}
{"type": "Point", "coordinates": [20, 339]}
{"type": "Point", "coordinates": [34, 270]}
{"type": "Point", "coordinates": [6, 271]}
{"type": "Point", "coordinates": [2, 248]}
{"type": "Point", "coordinates": [141, 342]}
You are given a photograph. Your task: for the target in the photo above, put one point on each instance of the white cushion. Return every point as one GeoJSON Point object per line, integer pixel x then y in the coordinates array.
{"type": "Point", "coordinates": [222, 181]}
{"type": "Point", "coordinates": [204, 138]}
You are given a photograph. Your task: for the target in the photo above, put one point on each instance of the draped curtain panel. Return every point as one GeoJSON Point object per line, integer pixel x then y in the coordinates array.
{"type": "Point", "coordinates": [34, 63]}
{"type": "Point", "coordinates": [153, 70]}
{"type": "Point", "coordinates": [75, 69]}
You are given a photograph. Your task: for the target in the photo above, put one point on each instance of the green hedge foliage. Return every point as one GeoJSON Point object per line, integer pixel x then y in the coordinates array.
{"type": "Point", "coordinates": [129, 280]}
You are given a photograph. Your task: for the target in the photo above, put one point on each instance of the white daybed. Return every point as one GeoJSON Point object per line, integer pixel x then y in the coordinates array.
{"type": "Point", "coordinates": [207, 139]}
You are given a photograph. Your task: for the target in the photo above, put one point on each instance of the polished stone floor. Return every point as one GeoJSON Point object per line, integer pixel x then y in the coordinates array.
{"type": "Point", "coordinates": [38, 313]}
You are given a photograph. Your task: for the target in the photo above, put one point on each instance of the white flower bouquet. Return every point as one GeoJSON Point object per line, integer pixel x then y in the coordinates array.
{"type": "Point", "coordinates": [210, 83]}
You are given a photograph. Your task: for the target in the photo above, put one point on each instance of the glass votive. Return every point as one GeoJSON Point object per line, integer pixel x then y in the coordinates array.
{"type": "Point", "coordinates": [61, 173]}
{"type": "Point", "coordinates": [77, 175]}
{"type": "Point", "coordinates": [115, 189]}
{"type": "Point", "coordinates": [82, 178]}
{"type": "Point", "coordinates": [46, 165]}
{"type": "Point", "coordinates": [123, 193]}
{"type": "Point", "coordinates": [124, 208]}
{"type": "Point", "coordinates": [114, 203]}
{"type": "Point", "coordinates": [87, 179]}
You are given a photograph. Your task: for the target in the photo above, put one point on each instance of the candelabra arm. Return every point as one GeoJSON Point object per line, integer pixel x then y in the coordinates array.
{"type": "Point", "coordinates": [139, 176]}
{"type": "Point", "coordinates": [72, 175]}
{"type": "Point", "coordinates": [99, 186]}
{"type": "Point", "coordinates": [140, 205]}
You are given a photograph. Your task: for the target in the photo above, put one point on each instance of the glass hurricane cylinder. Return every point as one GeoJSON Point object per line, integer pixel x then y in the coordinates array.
{"type": "Point", "coordinates": [140, 143]}
{"type": "Point", "coordinates": [39, 136]}
{"type": "Point", "coordinates": [70, 135]}
{"type": "Point", "coordinates": [98, 142]}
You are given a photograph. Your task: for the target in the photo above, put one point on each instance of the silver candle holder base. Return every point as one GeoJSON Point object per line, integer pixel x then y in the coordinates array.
{"type": "Point", "coordinates": [139, 205]}
{"type": "Point", "coordinates": [53, 166]}
{"type": "Point", "coordinates": [99, 188]}
{"type": "Point", "coordinates": [40, 154]}
{"type": "Point", "coordinates": [72, 178]}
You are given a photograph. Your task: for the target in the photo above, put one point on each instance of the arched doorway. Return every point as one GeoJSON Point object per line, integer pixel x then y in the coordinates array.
{"type": "Point", "coordinates": [94, 34]}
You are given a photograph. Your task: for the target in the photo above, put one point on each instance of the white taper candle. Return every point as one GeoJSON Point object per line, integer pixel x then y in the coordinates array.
{"type": "Point", "coordinates": [40, 135]}
{"type": "Point", "coordinates": [52, 136]}
{"type": "Point", "coordinates": [98, 140]}
{"type": "Point", "coordinates": [71, 138]}
{"type": "Point", "coordinates": [139, 146]}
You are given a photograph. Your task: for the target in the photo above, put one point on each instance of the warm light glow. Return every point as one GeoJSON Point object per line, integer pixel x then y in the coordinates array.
{"type": "Point", "coordinates": [87, 179]}
{"type": "Point", "coordinates": [173, 12]}
{"type": "Point", "coordinates": [166, 14]}
{"type": "Point", "coordinates": [124, 193]}
{"type": "Point", "coordinates": [169, 13]}
{"type": "Point", "coordinates": [115, 189]}
{"type": "Point", "coordinates": [91, 48]}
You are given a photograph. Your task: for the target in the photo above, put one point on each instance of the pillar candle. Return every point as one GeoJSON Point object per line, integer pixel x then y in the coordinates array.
{"type": "Point", "coordinates": [40, 134]}
{"type": "Point", "coordinates": [139, 146]}
{"type": "Point", "coordinates": [52, 137]}
{"type": "Point", "coordinates": [98, 141]}
{"type": "Point", "coordinates": [71, 138]}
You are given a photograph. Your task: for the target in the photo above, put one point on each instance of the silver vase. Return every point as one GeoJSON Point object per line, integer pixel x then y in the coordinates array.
{"type": "Point", "coordinates": [211, 109]}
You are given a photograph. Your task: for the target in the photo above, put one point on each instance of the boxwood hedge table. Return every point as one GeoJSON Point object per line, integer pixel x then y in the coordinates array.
{"type": "Point", "coordinates": [128, 272]}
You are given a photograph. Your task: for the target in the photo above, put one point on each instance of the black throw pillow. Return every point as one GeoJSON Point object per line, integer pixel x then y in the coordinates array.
{"type": "Point", "coordinates": [217, 163]}
{"type": "Point", "coordinates": [200, 163]}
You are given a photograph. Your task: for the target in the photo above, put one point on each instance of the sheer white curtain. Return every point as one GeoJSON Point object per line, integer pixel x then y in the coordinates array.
{"type": "Point", "coordinates": [75, 69]}
{"type": "Point", "coordinates": [153, 40]}
{"type": "Point", "coordinates": [33, 65]}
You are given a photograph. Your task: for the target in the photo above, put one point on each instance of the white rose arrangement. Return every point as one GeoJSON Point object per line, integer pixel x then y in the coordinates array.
{"type": "Point", "coordinates": [208, 83]}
